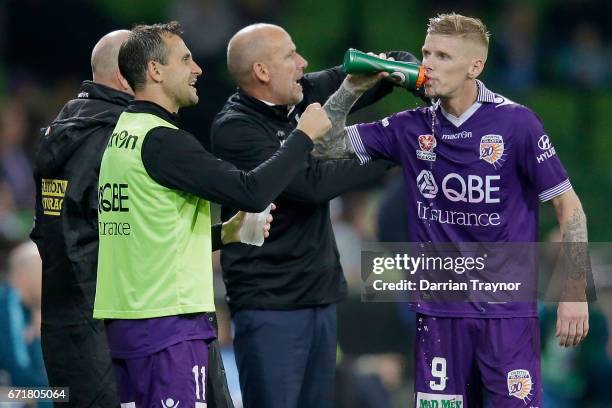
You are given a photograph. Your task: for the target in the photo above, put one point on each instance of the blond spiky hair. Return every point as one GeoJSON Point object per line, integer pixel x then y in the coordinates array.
{"type": "Point", "coordinates": [456, 24]}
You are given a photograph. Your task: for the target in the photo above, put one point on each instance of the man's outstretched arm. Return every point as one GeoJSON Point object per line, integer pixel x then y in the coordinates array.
{"type": "Point", "coordinates": [335, 144]}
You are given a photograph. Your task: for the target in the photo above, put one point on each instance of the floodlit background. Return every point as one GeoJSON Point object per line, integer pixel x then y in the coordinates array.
{"type": "Point", "coordinates": [553, 56]}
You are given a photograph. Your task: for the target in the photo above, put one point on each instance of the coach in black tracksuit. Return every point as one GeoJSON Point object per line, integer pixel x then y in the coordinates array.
{"type": "Point", "coordinates": [282, 295]}
{"type": "Point", "coordinates": [66, 231]}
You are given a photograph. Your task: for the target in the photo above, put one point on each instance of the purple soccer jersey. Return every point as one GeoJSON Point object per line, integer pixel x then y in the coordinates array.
{"type": "Point", "coordinates": [475, 178]}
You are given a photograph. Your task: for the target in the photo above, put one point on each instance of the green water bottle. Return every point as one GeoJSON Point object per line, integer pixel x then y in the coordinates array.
{"type": "Point", "coordinates": [410, 75]}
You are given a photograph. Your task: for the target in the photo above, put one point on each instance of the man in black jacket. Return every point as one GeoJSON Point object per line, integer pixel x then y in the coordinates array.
{"type": "Point", "coordinates": [282, 295]}
{"type": "Point", "coordinates": [66, 230]}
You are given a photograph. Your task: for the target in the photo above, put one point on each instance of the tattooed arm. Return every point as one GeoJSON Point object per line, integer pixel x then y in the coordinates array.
{"type": "Point", "coordinates": [335, 144]}
{"type": "Point", "coordinates": [573, 313]}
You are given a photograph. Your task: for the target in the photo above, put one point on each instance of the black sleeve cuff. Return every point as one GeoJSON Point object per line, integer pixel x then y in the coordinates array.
{"type": "Point", "coordinates": [215, 235]}
{"type": "Point", "coordinates": [403, 56]}
{"type": "Point", "coordinates": [301, 139]}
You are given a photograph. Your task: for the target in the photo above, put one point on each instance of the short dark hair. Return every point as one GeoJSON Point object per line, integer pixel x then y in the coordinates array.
{"type": "Point", "coordinates": [144, 44]}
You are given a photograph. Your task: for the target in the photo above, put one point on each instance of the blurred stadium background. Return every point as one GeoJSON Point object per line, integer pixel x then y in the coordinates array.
{"type": "Point", "coordinates": [553, 56]}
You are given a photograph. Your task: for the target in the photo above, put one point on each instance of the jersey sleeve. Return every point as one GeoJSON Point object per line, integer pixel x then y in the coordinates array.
{"type": "Point", "coordinates": [539, 161]}
{"type": "Point", "coordinates": [375, 140]}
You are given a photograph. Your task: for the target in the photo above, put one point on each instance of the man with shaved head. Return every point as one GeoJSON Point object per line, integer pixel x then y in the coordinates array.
{"type": "Point", "coordinates": [104, 66]}
{"type": "Point", "coordinates": [66, 230]}
{"type": "Point", "coordinates": [282, 295]}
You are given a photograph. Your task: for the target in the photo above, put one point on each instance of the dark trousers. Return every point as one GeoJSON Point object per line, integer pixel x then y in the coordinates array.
{"type": "Point", "coordinates": [286, 358]}
{"type": "Point", "coordinates": [216, 382]}
{"type": "Point", "coordinates": [77, 356]}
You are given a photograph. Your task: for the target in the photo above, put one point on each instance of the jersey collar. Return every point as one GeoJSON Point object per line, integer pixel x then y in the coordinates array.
{"type": "Point", "coordinates": [484, 96]}
{"type": "Point", "coordinates": [142, 106]}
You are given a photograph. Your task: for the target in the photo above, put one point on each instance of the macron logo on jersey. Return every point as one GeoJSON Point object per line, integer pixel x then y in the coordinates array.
{"type": "Point", "coordinates": [461, 135]}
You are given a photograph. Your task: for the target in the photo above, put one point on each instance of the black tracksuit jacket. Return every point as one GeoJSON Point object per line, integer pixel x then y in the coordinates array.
{"type": "Point", "coordinates": [66, 221]}
{"type": "Point", "coordinates": [298, 265]}
{"type": "Point", "coordinates": [66, 233]}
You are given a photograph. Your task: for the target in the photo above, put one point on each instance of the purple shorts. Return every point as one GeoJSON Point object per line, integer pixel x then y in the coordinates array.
{"type": "Point", "coordinates": [174, 377]}
{"type": "Point", "coordinates": [456, 358]}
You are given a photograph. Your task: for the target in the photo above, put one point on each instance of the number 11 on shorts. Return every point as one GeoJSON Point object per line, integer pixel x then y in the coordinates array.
{"type": "Point", "coordinates": [196, 371]}
{"type": "Point", "coordinates": [438, 371]}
